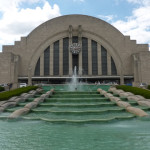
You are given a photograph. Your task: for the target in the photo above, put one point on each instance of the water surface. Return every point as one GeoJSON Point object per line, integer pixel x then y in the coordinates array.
{"type": "Point", "coordinates": [38, 135]}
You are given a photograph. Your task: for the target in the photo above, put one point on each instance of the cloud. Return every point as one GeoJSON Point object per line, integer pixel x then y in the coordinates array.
{"type": "Point", "coordinates": [107, 18]}
{"type": "Point", "coordinates": [137, 25]}
{"type": "Point", "coordinates": [16, 21]}
{"type": "Point", "coordinates": [141, 2]}
{"type": "Point", "coordinates": [13, 4]}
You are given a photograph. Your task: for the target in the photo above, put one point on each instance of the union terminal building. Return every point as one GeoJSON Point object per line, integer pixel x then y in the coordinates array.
{"type": "Point", "coordinates": [98, 50]}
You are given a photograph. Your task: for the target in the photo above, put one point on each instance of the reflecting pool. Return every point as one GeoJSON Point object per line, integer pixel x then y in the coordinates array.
{"type": "Point", "coordinates": [38, 135]}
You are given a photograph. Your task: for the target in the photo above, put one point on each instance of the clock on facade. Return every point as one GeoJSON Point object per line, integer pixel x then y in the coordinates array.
{"type": "Point", "coordinates": [75, 48]}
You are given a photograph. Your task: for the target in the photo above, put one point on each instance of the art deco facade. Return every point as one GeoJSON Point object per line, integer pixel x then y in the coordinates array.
{"type": "Point", "coordinates": [98, 50]}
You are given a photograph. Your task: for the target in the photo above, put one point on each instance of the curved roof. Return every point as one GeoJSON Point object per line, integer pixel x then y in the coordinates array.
{"type": "Point", "coordinates": [80, 19]}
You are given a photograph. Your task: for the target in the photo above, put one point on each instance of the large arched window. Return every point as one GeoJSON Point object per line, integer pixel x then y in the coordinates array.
{"type": "Point", "coordinates": [113, 67]}
{"type": "Point", "coordinates": [75, 58]}
{"type": "Point", "coordinates": [37, 68]}
{"type": "Point", "coordinates": [85, 56]}
{"type": "Point", "coordinates": [46, 61]}
{"type": "Point", "coordinates": [66, 56]}
{"type": "Point", "coordinates": [104, 60]}
{"type": "Point", "coordinates": [56, 58]}
{"type": "Point", "coordinates": [94, 58]}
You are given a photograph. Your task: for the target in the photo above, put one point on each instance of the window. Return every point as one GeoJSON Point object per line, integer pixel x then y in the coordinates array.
{"type": "Point", "coordinates": [37, 68]}
{"type": "Point", "coordinates": [85, 56]}
{"type": "Point", "coordinates": [46, 61]}
{"type": "Point", "coordinates": [66, 56]}
{"type": "Point", "coordinates": [104, 60]}
{"type": "Point", "coordinates": [94, 58]}
{"type": "Point", "coordinates": [75, 39]}
{"type": "Point", "coordinates": [113, 67]}
{"type": "Point", "coordinates": [75, 62]}
{"type": "Point", "coordinates": [75, 58]}
{"type": "Point", "coordinates": [56, 58]}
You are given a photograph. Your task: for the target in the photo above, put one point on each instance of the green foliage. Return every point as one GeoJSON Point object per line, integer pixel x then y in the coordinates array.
{"type": "Point", "coordinates": [148, 87]}
{"type": "Point", "coordinates": [135, 90]}
{"type": "Point", "coordinates": [8, 94]}
{"type": "Point", "coordinates": [1, 89]}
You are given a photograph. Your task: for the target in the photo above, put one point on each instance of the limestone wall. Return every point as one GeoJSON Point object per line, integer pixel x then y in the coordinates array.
{"type": "Point", "coordinates": [5, 67]}
{"type": "Point", "coordinates": [145, 67]}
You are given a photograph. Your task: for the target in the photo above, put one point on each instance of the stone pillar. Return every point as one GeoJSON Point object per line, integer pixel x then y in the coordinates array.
{"type": "Point", "coordinates": [108, 64]}
{"type": "Point", "coordinates": [15, 67]}
{"type": "Point", "coordinates": [99, 60]}
{"type": "Point", "coordinates": [139, 71]}
{"type": "Point", "coordinates": [42, 65]}
{"type": "Point", "coordinates": [61, 57]}
{"type": "Point", "coordinates": [70, 54]}
{"type": "Point", "coordinates": [121, 80]}
{"type": "Point", "coordinates": [121, 76]}
{"type": "Point", "coordinates": [70, 60]}
{"type": "Point", "coordinates": [29, 76]}
{"type": "Point", "coordinates": [51, 59]}
{"type": "Point", "coordinates": [80, 54]}
{"type": "Point", "coordinates": [89, 57]}
{"type": "Point", "coordinates": [136, 70]}
{"type": "Point", "coordinates": [80, 63]}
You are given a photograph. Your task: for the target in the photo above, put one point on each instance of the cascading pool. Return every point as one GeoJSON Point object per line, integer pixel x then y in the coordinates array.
{"type": "Point", "coordinates": [78, 107]}
{"type": "Point", "coordinates": [75, 121]}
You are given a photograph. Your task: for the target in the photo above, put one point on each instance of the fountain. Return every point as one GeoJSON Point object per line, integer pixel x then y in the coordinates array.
{"type": "Point", "coordinates": [73, 85]}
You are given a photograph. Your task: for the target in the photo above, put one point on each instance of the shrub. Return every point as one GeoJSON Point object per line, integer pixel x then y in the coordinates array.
{"type": "Point", "coordinates": [135, 90]}
{"type": "Point", "coordinates": [1, 89]}
{"type": "Point", "coordinates": [8, 94]}
{"type": "Point", "coordinates": [148, 87]}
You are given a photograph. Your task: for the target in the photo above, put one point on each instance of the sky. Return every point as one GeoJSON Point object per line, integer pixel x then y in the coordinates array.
{"type": "Point", "coordinates": [19, 17]}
